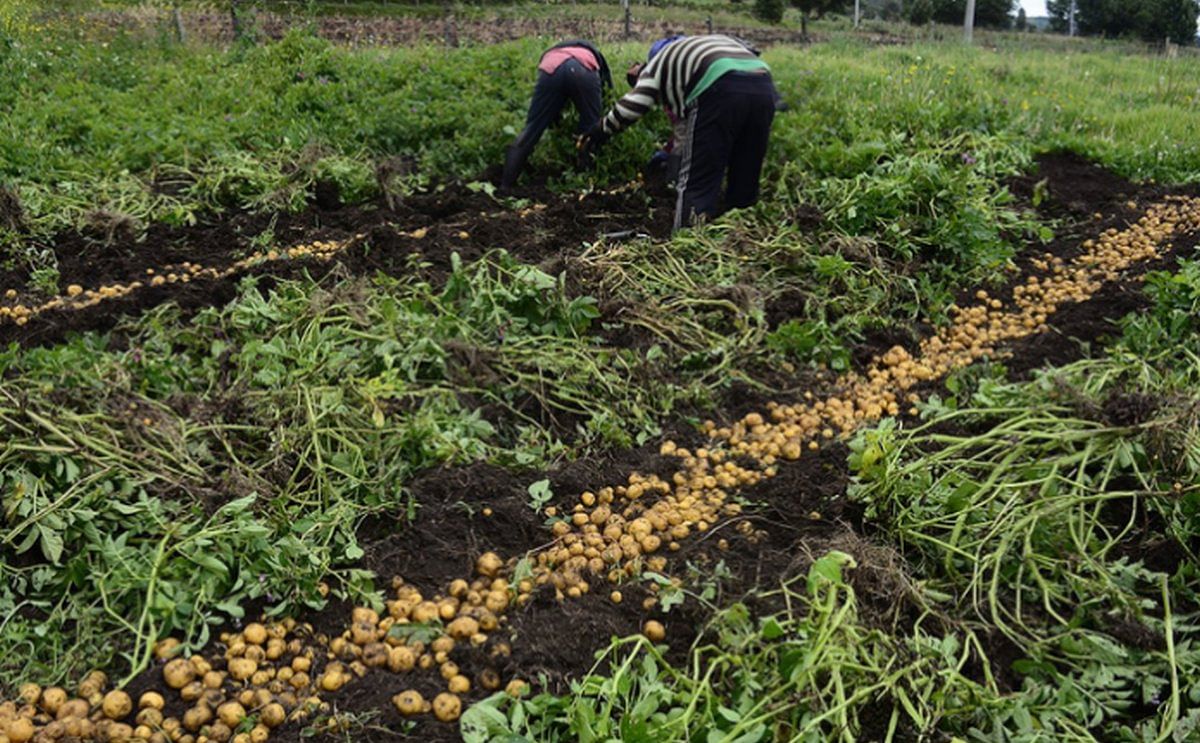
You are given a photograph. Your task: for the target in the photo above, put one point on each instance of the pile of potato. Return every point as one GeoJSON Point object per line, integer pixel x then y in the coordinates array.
{"type": "Point", "coordinates": [78, 298]}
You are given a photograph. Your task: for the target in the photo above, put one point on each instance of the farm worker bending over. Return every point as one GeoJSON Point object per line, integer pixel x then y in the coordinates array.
{"type": "Point", "coordinates": [574, 71]}
{"type": "Point", "coordinates": [724, 95]}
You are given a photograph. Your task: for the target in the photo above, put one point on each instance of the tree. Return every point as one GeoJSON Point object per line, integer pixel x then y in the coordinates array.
{"type": "Point", "coordinates": [1058, 10]}
{"type": "Point", "coordinates": [920, 12]}
{"type": "Point", "coordinates": [1022, 20]}
{"type": "Point", "coordinates": [819, 8]}
{"type": "Point", "coordinates": [770, 11]}
{"type": "Point", "coordinates": [990, 13]}
{"type": "Point", "coordinates": [1168, 19]}
{"type": "Point", "coordinates": [1152, 20]}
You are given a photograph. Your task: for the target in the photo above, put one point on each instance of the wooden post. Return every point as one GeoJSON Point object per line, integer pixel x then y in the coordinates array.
{"type": "Point", "coordinates": [233, 20]}
{"type": "Point", "coordinates": [1072, 26]}
{"type": "Point", "coordinates": [448, 28]}
{"type": "Point", "coordinates": [969, 22]}
{"type": "Point", "coordinates": [180, 36]}
{"type": "Point", "coordinates": [857, 13]}
{"type": "Point", "coordinates": [710, 30]}
{"type": "Point", "coordinates": [628, 19]}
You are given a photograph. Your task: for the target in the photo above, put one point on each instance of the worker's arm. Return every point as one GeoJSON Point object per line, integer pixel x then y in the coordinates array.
{"type": "Point", "coordinates": [633, 105]}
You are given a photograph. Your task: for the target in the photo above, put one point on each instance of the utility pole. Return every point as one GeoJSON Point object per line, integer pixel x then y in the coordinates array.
{"type": "Point", "coordinates": [1072, 25]}
{"type": "Point", "coordinates": [969, 22]}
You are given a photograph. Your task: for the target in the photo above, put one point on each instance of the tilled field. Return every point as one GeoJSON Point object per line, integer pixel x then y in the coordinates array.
{"type": "Point", "coordinates": [497, 596]}
{"type": "Point", "coordinates": [200, 266]}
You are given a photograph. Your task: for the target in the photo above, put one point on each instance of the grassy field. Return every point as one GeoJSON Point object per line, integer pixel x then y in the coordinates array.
{"type": "Point", "coordinates": [846, 526]}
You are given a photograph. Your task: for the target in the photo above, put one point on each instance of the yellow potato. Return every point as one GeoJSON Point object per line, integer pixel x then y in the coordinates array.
{"type": "Point", "coordinates": [116, 705]}
{"type": "Point", "coordinates": [447, 707]}
{"type": "Point", "coordinates": [409, 703]}
{"type": "Point", "coordinates": [654, 631]}
{"type": "Point", "coordinates": [178, 673]}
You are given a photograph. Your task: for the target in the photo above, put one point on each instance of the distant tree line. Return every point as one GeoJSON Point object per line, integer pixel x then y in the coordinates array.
{"type": "Point", "coordinates": [1152, 20]}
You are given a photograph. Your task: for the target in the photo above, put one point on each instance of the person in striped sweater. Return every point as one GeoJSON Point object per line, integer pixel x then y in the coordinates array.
{"type": "Point", "coordinates": [571, 71]}
{"type": "Point", "coordinates": [723, 94]}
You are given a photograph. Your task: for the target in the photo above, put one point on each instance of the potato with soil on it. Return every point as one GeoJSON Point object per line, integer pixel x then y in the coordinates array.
{"type": "Point", "coordinates": [447, 707]}
{"type": "Point", "coordinates": [178, 673]}
{"type": "Point", "coordinates": [52, 698]}
{"type": "Point", "coordinates": [489, 564]}
{"type": "Point", "coordinates": [272, 715]}
{"type": "Point", "coordinates": [254, 634]}
{"type": "Point", "coordinates": [20, 730]}
{"type": "Point", "coordinates": [116, 705]}
{"type": "Point", "coordinates": [151, 700]}
{"type": "Point", "coordinates": [410, 703]}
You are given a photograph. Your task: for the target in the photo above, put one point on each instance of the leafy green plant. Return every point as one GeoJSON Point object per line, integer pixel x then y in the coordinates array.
{"type": "Point", "coordinates": [1026, 507]}
{"type": "Point", "coordinates": [809, 341]}
{"type": "Point", "coordinates": [809, 674]}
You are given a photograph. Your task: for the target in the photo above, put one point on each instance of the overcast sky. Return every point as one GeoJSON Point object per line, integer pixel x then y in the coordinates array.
{"type": "Point", "coordinates": [1034, 8]}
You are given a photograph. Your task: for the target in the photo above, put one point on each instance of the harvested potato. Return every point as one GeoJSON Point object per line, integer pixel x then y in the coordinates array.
{"type": "Point", "coordinates": [29, 693]}
{"type": "Point", "coordinates": [255, 633]}
{"type": "Point", "coordinates": [242, 668]}
{"type": "Point", "coordinates": [166, 648]}
{"type": "Point", "coordinates": [489, 679]}
{"type": "Point", "coordinates": [654, 631]}
{"type": "Point", "coordinates": [462, 628]}
{"type": "Point", "coordinates": [178, 673]}
{"type": "Point", "coordinates": [332, 680]}
{"type": "Point", "coordinates": [196, 716]}
{"type": "Point", "coordinates": [375, 655]}
{"type": "Point", "coordinates": [447, 707]}
{"type": "Point", "coordinates": [116, 705]}
{"type": "Point", "coordinates": [489, 564]}
{"type": "Point", "coordinates": [73, 708]}
{"type": "Point", "coordinates": [20, 730]}
{"type": "Point", "coordinates": [53, 698]}
{"type": "Point", "coordinates": [272, 715]}
{"type": "Point", "coordinates": [151, 700]}
{"type": "Point", "coordinates": [231, 713]}
{"type": "Point", "coordinates": [410, 703]}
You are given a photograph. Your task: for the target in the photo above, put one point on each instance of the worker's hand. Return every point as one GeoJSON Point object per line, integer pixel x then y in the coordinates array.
{"type": "Point", "coordinates": [593, 139]}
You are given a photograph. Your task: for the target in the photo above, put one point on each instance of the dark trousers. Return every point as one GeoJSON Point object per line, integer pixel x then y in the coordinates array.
{"type": "Point", "coordinates": [727, 132]}
{"type": "Point", "coordinates": [570, 82]}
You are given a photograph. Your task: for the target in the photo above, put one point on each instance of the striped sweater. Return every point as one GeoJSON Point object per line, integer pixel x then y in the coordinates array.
{"type": "Point", "coordinates": [671, 75]}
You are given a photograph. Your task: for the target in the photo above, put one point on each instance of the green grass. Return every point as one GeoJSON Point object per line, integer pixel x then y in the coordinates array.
{"type": "Point", "coordinates": [252, 127]}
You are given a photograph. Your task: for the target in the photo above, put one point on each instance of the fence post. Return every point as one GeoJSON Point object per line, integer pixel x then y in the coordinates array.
{"type": "Point", "coordinates": [178, 18]}
{"type": "Point", "coordinates": [451, 33]}
{"type": "Point", "coordinates": [628, 19]}
{"type": "Point", "coordinates": [233, 20]}
{"type": "Point", "coordinates": [710, 30]}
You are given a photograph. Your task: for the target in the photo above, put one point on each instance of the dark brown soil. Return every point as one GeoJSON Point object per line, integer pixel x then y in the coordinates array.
{"type": "Point", "coordinates": [457, 220]}
{"type": "Point", "coordinates": [1078, 330]}
{"type": "Point", "coordinates": [798, 515]}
